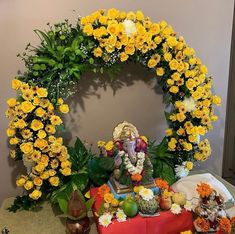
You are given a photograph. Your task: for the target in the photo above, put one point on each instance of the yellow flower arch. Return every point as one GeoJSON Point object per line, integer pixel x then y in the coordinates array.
{"type": "Point", "coordinates": [99, 41]}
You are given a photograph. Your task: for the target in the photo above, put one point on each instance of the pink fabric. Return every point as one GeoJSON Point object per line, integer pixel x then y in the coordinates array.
{"type": "Point", "coordinates": [166, 223]}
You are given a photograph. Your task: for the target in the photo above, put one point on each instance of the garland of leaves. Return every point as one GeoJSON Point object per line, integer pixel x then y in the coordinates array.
{"type": "Point", "coordinates": [100, 42]}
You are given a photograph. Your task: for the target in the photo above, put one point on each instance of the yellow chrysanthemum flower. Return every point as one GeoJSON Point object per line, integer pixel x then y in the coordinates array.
{"type": "Point", "coordinates": [36, 194]}
{"type": "Point", "coordinates": [36, 125]}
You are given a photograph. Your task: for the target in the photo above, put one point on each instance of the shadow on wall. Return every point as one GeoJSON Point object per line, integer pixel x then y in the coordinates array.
{"type": "Point", "coordinates": [91, 90]}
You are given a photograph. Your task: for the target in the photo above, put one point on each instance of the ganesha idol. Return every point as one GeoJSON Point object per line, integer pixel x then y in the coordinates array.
{"type": "Point", "coordinates": [132, 164]}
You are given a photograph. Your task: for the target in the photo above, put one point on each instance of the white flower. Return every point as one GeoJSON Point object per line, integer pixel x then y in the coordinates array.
{"type": "Point", "coordinates": [146, 194]}
{"type": "Point", "coordinates": [120, 215]}
{"type": "Point", "coordinates": [105, 219]}
{"type": "Point", "coordinates": [189, 104]}
{"type": "Point", "coordinates": [181, 170]}
{"type": "Point", "coordinates": [175, 208]}
{"type": "Point", "coordinates": [129, 27]}
{"type": "Point", "coordinates": [188, 206]}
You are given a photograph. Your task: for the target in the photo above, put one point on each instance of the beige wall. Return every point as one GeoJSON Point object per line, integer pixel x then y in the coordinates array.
{"type": "Point", "coordinates": [206, 25]}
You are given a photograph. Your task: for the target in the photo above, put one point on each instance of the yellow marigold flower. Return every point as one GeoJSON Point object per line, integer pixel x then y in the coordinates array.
{"type": "Point", "coordinates": [103, 19]}
{"type": "Point", "coordinates": [36, 101]}
{"type": "Point", "coordinates": [158, 40]}
{"type": "Point", "coordinates": [160, 71]}
{"type": "Point", "coordinates": [55, 120]}
{"type": "Point", "coordinates": [187, 146]}
{"type": "Point", "coordinates": [97, 52]}
{"type": "Point", "coordinates": [139, 15]}
{"type": "Point", "coordinates": [65, 164]}
{"type": "Point", "coordinates": [54, 181]}
{"type": "Point", "coordinates": [44, 103]}
{"type": "Point", "coordinates": [20, 124]}
{"type": "Point", "coordinates": [41, 134]}
{"type": "Point", "coordinates": [112, 13]}
{"type": "Point", "coordinates": [40, 143]}
{"type": "Point", "coordinates": [180, 131]}
{"type": "Point", "coordinates": [144, 138]}
{"type": "Point", "coordinates": [16, 84]}
{"type": "Point", "coordinates": [114, 203]}
{"type": "Point", "coordinates": [36, 194]}
{"type": "Point", "coordinates": [189, 165]}
{"type": "Point", "coordinates": [27, 94]}
{"type": "Point", "coordinates": [26, 133]}
{"type": "Point", "coordinates": [37, 181]}
{"type": "Point", "coordinates": [20, 182]}
{"type": "Point", "coordinates": [36, 155]}
{"type": "Point", "coordinates": [188, 51]}
{"type": "Point", "coordinates": [136, 189]}
{"type": "Point", "coordinates": [214, 118]}
{"type": "Point", "coordinates": [123, 57]}
{"type": "Point", "coordinates": [60, 101]}
{"type": "Point", "coordinates": [192, 138]}
{"type": "Point", "coordinates": [216, 100]}
{"type": "Point", "coordinates": [152, 63]}
{"type": "Point", "coordinates": [50, 128]}
{"type": "Point", "coordinates": [41, 92]}
{"type": "Point", "coordinates": [169, 132]}
{"type": "Point", "coordinates": [10, 132]}
{"type": "Point", "coordinates": [167, 56]}
{"type": "Point", "coordinates": [203, 69]}
{"type": "Point", "coordinates": [173, 64]}
{"type": "Point", "coordinates": [171, 41]}
{"type": "Point", "coordinates": [51, 139]}
{"type": "Point", "coordinates": [52, 172]}
{"type": "Point", "coordinates": [40, 112]}
{"type": "Point", "coordinates": [27, 107]}
{"type": "Point", "coordinates": [45, 175]}
{"type": "Point", "coordinates": [180, 116]}
{"type": "Point", "coordinates": [170, 82]}
{"type": "Point", "coordinates": [171, 146]}
{"type": "Point", "coordinates": [129, 49]}
{"type": "Point", "coordinates": [190, 84]}
{"type": "Point", "coordinates": [28, 185]}
{"type": "Point", "coordinates": [64, 108]}
{"type": "Point", "coordinates": [54, 163]}
{"type": "Point", "coordinates": [108, 197]}
{"type": "Point", "coordinates": [109, 146]}
{"type": "Point", "coordinates": [101, 144]}
{"type": "Point", "coordinates": [88, 29]}
{"type": "Point", "coordinates": [14, 141]}
{"type": "Point", "coordinates": [36, 125]}
{"type": "Point", "coordinates": [26, 148]}
{"type": "Point", "coordinates": [66, 171]}
{"type": "Point", "coordinates": [174, 89]}
{"type": "Point", "coordinates": [39, 167]}
{"type": "Point", "coordinates": [11, 102]}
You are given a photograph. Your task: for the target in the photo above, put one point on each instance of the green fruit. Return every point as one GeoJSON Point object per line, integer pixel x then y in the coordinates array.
{"type": "Point", "coordinates": [148, 207]}
{"type": "Point", "coordinates": [130, 208]}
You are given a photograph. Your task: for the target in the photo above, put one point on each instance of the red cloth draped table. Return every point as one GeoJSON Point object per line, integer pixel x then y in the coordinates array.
{"type": "Point", "coordinates": [166, 223]}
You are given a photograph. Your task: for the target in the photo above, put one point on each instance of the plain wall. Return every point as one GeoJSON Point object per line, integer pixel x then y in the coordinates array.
{"type": "Point", "coordinates": [97, 108]}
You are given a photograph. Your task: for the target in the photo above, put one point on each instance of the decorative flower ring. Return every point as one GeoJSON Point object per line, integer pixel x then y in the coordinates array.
{"type": "Point", "coordinates": [98, 42]}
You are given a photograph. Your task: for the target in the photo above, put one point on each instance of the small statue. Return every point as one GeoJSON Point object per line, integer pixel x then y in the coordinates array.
{"type": "Point", "coordinates": [132, 165]}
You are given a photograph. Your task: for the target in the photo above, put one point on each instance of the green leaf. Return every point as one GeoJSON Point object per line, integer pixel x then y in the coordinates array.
{"type": "Point", "coordinates": [80, 180]}
{"type": "Point", "coordinates": [89, 203]}
{"type": "Point", "coordinates": [106, 163]}
{"type": "Point", "coordinates": [63, 204]}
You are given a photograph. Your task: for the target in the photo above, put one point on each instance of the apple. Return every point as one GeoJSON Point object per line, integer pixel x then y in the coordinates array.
{"type": "Point", "coordinates": [165, 203]}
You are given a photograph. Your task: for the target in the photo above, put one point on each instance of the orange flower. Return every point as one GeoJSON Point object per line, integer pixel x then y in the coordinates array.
{"type": "Point", "coordinates": [225, 225]}
{"type": "Point", "coordinates": [136, 177]}
{"type": "Point", "coordinates": [103, 189]}
{"type": "Point", "coordinates": [202, 224]}
{"type": "Point", "coordinates": [162, 184]}
{"type": "Point", "coordinates": [204, 189]}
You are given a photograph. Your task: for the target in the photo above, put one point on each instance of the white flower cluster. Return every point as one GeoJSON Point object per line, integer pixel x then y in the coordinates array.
{"type": "Point", "coordinates": [139, 164]}
{"type": "Point", "coordinates": [176, 209]}
{"type": "Point", "coordinates": [129, 27]}
{"type": "Point", "coordinates": [146, 194]}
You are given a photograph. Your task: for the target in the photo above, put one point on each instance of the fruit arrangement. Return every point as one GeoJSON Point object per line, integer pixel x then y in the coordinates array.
{"type": "Point", "coordinates": [143, 201]}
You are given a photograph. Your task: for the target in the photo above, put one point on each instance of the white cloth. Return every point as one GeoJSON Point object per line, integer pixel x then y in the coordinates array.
{"type": "Point", "coordinates": [188, 185]}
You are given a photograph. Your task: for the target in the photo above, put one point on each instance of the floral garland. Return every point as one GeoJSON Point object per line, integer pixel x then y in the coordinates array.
{"type": "Point", "coordinates": [98, 43]}
{"type": "Point", "coordinates": [133, 170]}
{"type": "Point", "coordinates": [31, 133]}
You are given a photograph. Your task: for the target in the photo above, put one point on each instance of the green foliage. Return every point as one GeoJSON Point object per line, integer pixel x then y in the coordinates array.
{"type": "Point", "coordinates": [99, 170]}
{"type": "Point", "coordinates": [162, 160]}
{"type": "Point", "coordinates": [22, 203]}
